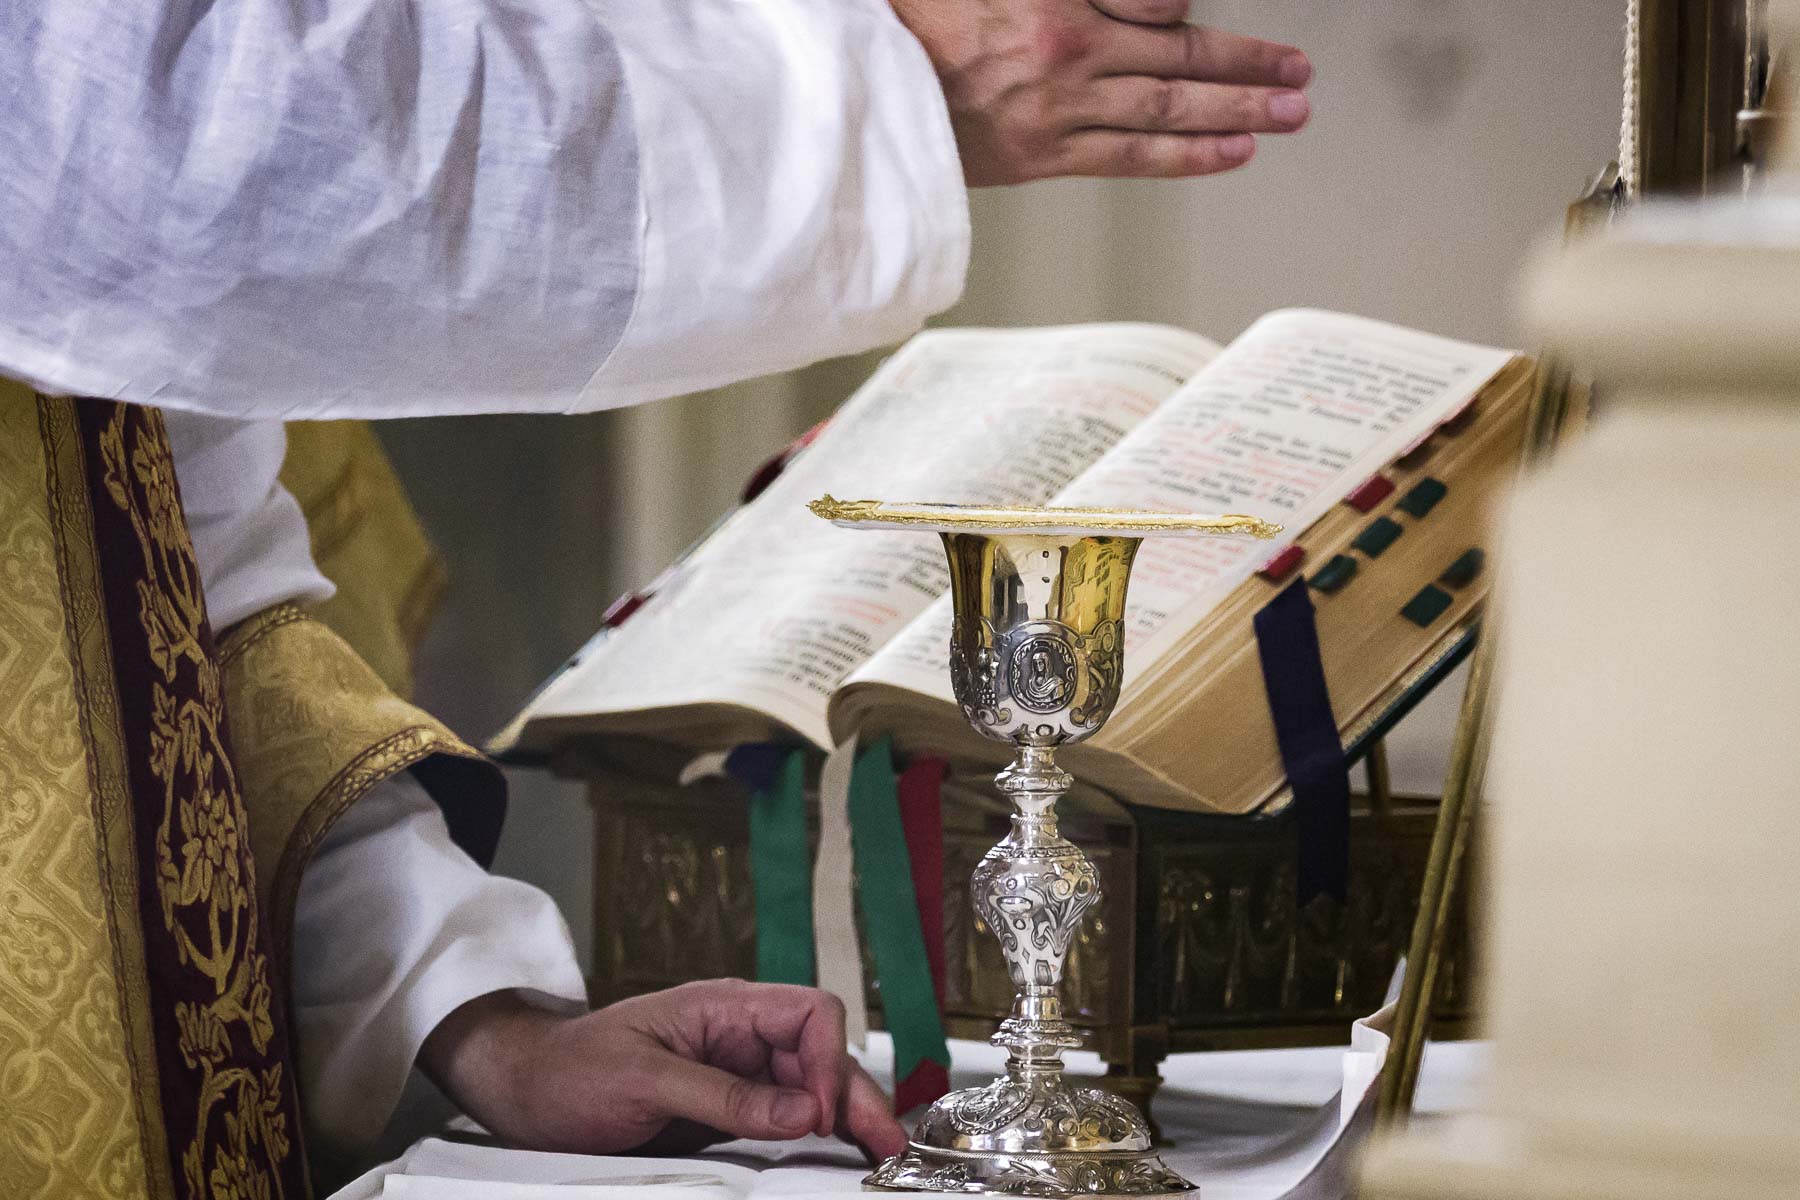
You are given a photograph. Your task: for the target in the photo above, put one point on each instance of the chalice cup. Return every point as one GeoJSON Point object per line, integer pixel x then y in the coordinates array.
{"type": "Point", "coordinates": [1036, 660]}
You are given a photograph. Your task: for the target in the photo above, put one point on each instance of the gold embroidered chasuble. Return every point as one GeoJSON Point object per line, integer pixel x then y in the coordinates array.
{"type": "Point", "coordinates": [160, 795]}
{"type": "Point", "coordinates": [367, 540]}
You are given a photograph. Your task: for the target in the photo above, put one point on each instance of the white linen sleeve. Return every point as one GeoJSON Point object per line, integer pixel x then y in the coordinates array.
{"type": "Point", "coordinates": [250, 537]}
{"type": "Point", "coordinates": [790, 214]}
{"type": "Point", "coordinates": [379, 208]}
{"type": "Point", "coordinates": [394, 928]}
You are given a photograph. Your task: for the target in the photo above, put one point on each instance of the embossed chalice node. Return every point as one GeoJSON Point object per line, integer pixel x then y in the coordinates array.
{"type": "Point", "coordinates": [1036, 660]}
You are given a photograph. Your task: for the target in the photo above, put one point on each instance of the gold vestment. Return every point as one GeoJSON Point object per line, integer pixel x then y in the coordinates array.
{"type": "Point", "coordinates": [160, 796]}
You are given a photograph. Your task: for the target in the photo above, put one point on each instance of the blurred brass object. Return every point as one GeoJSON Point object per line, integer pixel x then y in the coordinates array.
{"type": "Point", "coordinates": [1425, 953]}
{"type": "Point", "coordinates": [1596, 207]}
{"type": "Point", "coordinates": [1693, 59]}
{"type": "Point", "coordinates": [1765, 90]}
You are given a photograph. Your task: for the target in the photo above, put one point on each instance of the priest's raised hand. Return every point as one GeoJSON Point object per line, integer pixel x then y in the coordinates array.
{"type": "Point", "coordinates": [664, 1073]}
{"type": "Point", "coordinates": [1102, 87]}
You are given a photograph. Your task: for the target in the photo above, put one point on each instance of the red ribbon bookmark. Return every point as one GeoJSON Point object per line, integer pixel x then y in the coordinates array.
{"type": "Point", "coordinates": [922, 821]}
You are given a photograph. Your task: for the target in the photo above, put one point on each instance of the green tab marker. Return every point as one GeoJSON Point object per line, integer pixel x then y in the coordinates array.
{"type": "Point", "coordinates": [1423, 497]}
{"type": "Point", "coordinates": [1462, 572]}
{"type": "Point", "coordinates": [1381, 533]}
{"type": "Point", "coordinates": [1334, 574]}
{"type": "Point", "coordinates": [891, 912]}
{"type": "Point", "coordinates": [1427, 606]}
{"type": "Point", "coordinates": [781, 875]}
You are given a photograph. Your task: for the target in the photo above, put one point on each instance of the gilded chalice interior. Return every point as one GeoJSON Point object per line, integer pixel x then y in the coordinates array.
{"type": "Point", "coordinates": [1037, 642]}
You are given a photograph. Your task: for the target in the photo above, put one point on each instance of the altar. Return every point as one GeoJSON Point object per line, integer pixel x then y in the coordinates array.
{"type": "Point", "coordinates": [1244, 1124]}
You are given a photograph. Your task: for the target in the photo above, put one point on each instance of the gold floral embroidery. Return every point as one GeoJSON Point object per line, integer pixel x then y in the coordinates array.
{"type": "Point", "coordinates": [313, 728]}
{"type": "Point", "coordinates": [202, 853]}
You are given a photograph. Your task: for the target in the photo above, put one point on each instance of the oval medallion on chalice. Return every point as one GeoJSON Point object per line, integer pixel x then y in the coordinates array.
{"type": "Point", "coordinates": [1039, 603]}
{"type": "Point", "coordinates": [1042, 667]}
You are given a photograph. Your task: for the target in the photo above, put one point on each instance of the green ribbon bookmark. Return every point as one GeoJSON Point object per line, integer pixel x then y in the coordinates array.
{"type": "Point", "coordinates": [781, 874]}
{"type": "Point", "coordinates": [891, 912]}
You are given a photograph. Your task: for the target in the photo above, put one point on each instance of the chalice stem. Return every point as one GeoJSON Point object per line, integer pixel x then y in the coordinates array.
{"type": "Point", "coordinates": [1033, 889]}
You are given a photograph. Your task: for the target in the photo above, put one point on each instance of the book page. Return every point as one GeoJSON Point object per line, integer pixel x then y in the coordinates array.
{"type": "Point", "coordinates": [777, 607]}
{"type": "Point", "coordinates": [1300, 409]}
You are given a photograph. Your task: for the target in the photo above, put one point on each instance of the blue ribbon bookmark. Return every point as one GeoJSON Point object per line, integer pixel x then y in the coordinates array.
{"type": "Point", "coordinates": [1306, 732]}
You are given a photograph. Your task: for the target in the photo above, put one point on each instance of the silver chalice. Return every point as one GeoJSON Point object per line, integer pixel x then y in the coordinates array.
{"type": "Point", "coordinates": [1036, 660]}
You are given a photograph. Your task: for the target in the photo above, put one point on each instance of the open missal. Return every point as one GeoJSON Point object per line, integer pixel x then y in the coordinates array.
{"type": "Point", "coordinates": [1377, 447]}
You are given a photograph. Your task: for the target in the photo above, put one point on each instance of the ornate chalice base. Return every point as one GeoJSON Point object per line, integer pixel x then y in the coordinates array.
{"type": "Point", "coordinates": [1092, 1172]}
{"type": "Point", "coordinates": [1097, 1173]}
{"type": "Point", "coordinates": [1037, 661]}
{"type": "Point", "coordinates": [1031, 1132]}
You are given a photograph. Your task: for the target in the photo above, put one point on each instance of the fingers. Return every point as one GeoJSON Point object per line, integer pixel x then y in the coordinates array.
{"type": "Point", "coordinates": [866, 1117]}
{"type": "Point", "coordinates": [1198, 52]}
{"type": "Point", "coordinates": [810, 1024]}
{"type": "Point", "coordinates": [1118, 153]}
{"type": "Point", "coordinates": [745, 1108]}
{"type": "Point", "coordinates": [1139, 102]}
{"type": "Point", "coordinates": [1144, 12]}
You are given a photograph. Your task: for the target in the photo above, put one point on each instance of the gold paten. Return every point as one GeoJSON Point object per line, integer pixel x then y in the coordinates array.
{"type": "Point", "coordinates": [865, 514]}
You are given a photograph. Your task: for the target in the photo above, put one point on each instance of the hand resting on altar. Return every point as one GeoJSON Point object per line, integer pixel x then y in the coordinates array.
{"type": "Point", "coordinates": [1038, 88]}
{"type": "Point", "coordinates": [669, 1072]}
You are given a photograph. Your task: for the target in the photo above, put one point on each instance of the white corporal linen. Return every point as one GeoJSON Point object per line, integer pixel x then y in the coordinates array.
{"type": "Point", "coordinates": [327, 208]}
{"type": "Point", "coordinates": [1246, 1125]}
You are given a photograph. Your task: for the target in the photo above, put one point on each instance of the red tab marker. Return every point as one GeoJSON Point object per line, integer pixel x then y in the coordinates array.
{"type": "Point", "coordinates": [928, 1081]}
{"type": "Point", "coordinates": [619, 610]}
{"type": "Point", "coordinates": [922, 819]}
{"type": "Point", "coordinates": [1417, 455]}
{"type": "Point", "coordinates": [1284, 563]}
{"type": "Point", "coordinates": [1464, 418]}
{"type": "Point", "coordinates": [1369, 493]}
{"type": "Point", "coordinates": [771, 469]}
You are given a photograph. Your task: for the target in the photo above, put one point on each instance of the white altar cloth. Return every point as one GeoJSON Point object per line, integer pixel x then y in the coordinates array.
{"type": "Point", "coordinates": [1246, 1125]}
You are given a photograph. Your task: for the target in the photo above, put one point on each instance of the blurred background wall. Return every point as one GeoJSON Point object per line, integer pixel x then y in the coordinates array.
{"type": "Point", "coordinates": [1447, 137]}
